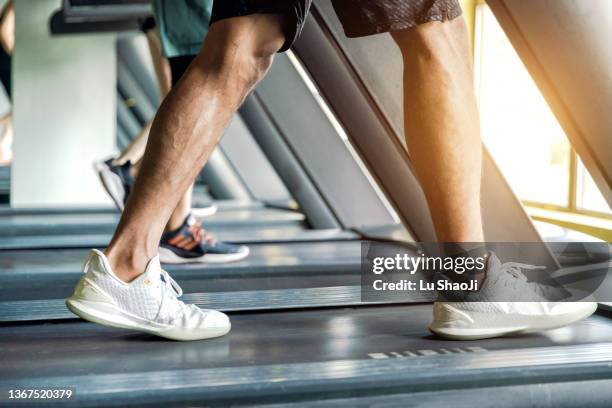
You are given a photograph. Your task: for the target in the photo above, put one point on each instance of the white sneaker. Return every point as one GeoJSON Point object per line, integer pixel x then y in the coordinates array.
{"type": "Point", "coordinates": [484, 319]}
{"type": "Point", "coordinates": [149, 303]}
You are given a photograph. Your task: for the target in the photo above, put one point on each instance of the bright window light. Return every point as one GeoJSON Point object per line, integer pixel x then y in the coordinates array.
{"type": "Point", "coordinates": [518, 127]}
{"type": "Point", "coordinates": [520, 130]}
{"type": "Point", "coordinates": [588, 196]}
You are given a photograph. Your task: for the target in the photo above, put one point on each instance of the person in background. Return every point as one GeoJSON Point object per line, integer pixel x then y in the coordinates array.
{"type": "Point", "coordinates": [7, 43]}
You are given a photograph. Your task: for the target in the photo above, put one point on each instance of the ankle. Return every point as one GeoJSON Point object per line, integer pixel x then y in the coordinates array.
{"type": "Point", "coordinates": [135, 168]}
{"type": "Point", "coordinates": [175, 222]}
{"type": "Point", "coordinates": [128, 264]}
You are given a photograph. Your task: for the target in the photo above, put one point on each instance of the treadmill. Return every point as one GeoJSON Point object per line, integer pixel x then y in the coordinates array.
{"type": "Point", "coordinates": [301, 334]}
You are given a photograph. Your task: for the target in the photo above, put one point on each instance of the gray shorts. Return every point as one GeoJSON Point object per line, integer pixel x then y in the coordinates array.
{"type": "Point", "coordinates": [358, 17]}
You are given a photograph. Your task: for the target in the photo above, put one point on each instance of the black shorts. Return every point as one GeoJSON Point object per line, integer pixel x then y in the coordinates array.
{"type": "Point", "coordinates": [178, 66]}
{"type": "Point", "coordinates": [358, 17]}
{"type": "Point", "coordinates": [5, 72]}
{"type": "Point", "coordinates": [147, 24]}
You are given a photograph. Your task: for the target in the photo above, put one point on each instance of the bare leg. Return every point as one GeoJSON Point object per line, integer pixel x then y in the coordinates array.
{"type": "Point", "coordinates": [6, 139]}
{"type": "Point", "coordinates": [7, 28]}
{"type": "Point", "coordinates": [182, 210]}
{"type": "Point", "coordinates": [136, 149]}
{"type": "Point", "coordinates": [442, 126]}
{"type": "Point", "coordinates": [236, 54]}
{"type": "Point", "coordinates": [160, 64]}
{"type": "Point", "coordinates": [7, 41]}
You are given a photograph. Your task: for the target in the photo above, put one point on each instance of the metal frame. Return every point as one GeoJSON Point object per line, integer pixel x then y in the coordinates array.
{"type": "Point", "coordinates": [363, 122]}
{"type": "Point", "coordinates": [75, 17]}
{"type": "Point", "coordinates": [222, 179]}
{"type": "Point", "coordinates": [269, 139]}
{"type": "Point", "coordinates": [307, 152]}
{"type": "Point", "coordinates": [100, 10]}
{"type": "Point", "coordinates": [250, 164]}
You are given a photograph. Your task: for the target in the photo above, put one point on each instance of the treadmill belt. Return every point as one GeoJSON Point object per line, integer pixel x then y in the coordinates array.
{"type": "Point", "coordinates": [241, 223]}
{"type": "Point", "coordinates": [55, 309]}
{"type": "Point", "coordinates": [52, 274]}
{"type": "Point", "coordinates": [275, 233]}
{"type": "Point", "coordinates": [198, 201]}
{"type": "Point", "coordinates": [99, 223]}
{"type": "Point", "coordinates": [284, 356]}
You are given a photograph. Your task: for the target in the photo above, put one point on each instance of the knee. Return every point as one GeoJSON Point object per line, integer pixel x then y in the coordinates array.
{"type": "Point", "coordinates": [252, 68]}
{"type": "Point", "coordinates": [436, 40]}
{"type": "Point", "coordinates": [242, 49]}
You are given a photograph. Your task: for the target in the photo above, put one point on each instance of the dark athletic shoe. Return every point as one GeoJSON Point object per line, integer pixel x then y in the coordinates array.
{"type": "Point", "coordinates": [117, 180]}
{"type": "Point", "coordinates": [190, 243]}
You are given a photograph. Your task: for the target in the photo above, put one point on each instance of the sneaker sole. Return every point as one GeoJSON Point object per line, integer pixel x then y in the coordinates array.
{"type": "Point", "coordinates": [204, 212]}
{"type": "Point", "coordinates": [111, 183]}
{"type": "Point", "coordinates": [531, 324]}
{"type": "Point", "coordinates": [169, 257]}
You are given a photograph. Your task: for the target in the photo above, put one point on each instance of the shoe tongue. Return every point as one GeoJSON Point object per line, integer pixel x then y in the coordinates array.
{"type": "Point", "coordinates": [127, 174]}
{"type": "Point", "coordinates": [153, 269]}
{"type": "Point", "coordinates": [493, 263]}
{"type": "Point", "coordinates": [493, 269]}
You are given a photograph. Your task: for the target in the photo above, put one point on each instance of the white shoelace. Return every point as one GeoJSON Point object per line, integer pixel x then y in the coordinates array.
{"type": "Point", "coordinates": [171, 285]}
{"type": "Point", "coordinates": [171, 291]}
{"type": "Point", "coordinates": [515, 269]}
